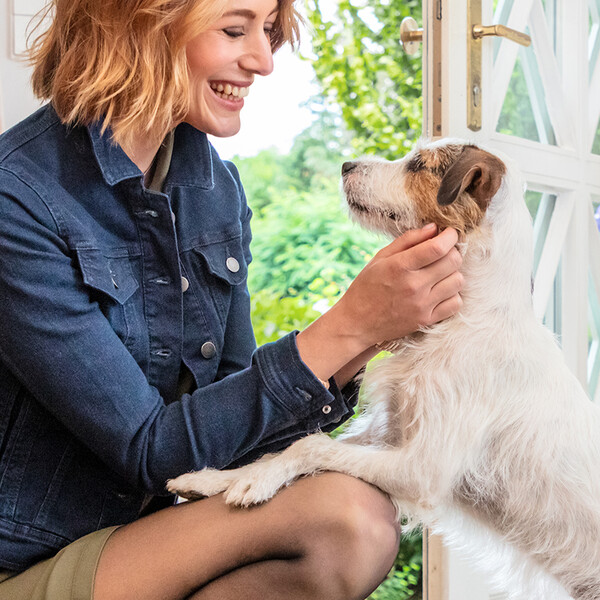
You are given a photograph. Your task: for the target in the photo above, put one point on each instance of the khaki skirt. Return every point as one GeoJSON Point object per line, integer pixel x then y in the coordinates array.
{"type": "Point", "coordinates": [68, 575]}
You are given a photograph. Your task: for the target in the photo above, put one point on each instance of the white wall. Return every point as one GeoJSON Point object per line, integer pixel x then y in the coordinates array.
{"type": "Point", "coordinates": [16, 98]}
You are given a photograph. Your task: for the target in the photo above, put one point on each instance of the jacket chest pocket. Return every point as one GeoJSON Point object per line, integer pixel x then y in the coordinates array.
{"type": "Point", "coordinates": [220, 269]}
{"type": "Point", "coordinates": [111, 284]}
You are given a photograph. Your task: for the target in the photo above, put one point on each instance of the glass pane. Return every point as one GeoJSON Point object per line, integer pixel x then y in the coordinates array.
{"type": "Point", "coordinates": [594, 34]}
{"type": "Point", "coordinates": [541, 206]}
{"type": "Point", "coordinates": [596, 146]}
{"type": "Point", "coordinates": [552, 318]}
{"type": "Point", "coordinates": [517, 116]}
{"type": "Point", "coordinates": [524, 113]}
{"type": "Point", "coordinates": [593, 365]}
{"type": "Point", "coordinates": [593, 337]}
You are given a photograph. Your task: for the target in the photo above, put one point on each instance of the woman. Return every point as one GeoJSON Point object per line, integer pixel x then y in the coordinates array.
{"type": "Point", "coordinates": [126, 350]}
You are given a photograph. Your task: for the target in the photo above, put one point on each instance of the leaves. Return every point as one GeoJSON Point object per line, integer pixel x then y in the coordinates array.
{"type": "Point", "coordinates": [364, 73]}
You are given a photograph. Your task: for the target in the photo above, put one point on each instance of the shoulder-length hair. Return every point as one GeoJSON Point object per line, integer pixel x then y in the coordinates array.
{"type": "Point", "coordinates": [123, 62]}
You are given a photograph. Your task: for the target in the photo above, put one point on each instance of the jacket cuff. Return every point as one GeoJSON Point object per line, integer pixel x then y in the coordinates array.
{"type": "Point", "coordinates": [290, 382]}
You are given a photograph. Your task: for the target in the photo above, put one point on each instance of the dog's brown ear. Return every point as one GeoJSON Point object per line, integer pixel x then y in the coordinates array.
{"type": "Point", "coordinates": [476, 172]}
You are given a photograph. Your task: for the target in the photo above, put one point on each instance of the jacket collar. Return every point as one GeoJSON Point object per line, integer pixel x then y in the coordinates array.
{"type": "Point", "coordinates": [191, 164]}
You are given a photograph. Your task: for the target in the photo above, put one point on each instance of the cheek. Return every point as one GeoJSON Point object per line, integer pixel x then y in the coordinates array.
{"type": "Point", "coordinates": [422, 189]}
{"type": "Point", "coordinates": [204, 57]}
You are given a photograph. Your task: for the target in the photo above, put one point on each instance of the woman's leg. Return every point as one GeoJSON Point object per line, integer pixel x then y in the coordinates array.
{"type": "Point", "coordinates": [325, 537]}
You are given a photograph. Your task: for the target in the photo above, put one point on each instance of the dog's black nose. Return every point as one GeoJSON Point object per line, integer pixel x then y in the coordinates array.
{"type": "Point", "coordinates": [348, 166]}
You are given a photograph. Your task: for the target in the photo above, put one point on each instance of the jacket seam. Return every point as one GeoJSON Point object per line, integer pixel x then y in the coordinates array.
{"type": "Point", "coordinates": [59, 229]}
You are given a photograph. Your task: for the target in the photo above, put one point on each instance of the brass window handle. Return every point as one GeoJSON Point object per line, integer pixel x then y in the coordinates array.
{"type": "Point", "coordinates": [480, 31]}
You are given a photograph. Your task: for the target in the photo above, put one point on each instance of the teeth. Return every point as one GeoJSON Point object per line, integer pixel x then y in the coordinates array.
{"type": "Point", "coordinates": [228, 91]}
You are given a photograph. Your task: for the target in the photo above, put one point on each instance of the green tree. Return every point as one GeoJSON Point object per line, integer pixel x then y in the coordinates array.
{"type": "Point", "coordinates": [304, 243]}
{"type": "Point", "coordinates": [366, 75]}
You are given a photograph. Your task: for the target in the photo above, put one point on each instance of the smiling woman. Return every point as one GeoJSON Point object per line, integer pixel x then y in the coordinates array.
{"type": "Point", "coordinates": [127, 355]}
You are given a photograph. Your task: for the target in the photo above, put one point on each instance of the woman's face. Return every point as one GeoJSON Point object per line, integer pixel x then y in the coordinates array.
{"type": "Point", "coordinates": [223, 61]}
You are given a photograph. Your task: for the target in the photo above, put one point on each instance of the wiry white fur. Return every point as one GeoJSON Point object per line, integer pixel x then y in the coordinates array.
{"type": "Point", "coordinates": [476, 427]}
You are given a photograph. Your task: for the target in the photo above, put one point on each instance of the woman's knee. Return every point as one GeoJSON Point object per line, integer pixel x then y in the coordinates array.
{"type": "Point", "coordinates": [351, 534]}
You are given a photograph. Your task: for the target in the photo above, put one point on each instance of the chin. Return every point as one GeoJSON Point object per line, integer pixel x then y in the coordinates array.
{"type": "Point", "coordinates": [221, 130]}
{"type": "Point", "coordinates": [223, 133]}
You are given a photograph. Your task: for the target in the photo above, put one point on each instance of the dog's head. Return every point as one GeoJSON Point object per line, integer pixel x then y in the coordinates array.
{"type": "Point", "coordinates": [450, 184]}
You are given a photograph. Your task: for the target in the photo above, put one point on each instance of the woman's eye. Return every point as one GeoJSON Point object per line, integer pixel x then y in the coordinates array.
{"type": "Point", "coordinates": [233, 33]}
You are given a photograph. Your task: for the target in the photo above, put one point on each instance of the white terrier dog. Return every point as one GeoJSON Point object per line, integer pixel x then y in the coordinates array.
{"type": "Point", "coordinates": [475, 426]}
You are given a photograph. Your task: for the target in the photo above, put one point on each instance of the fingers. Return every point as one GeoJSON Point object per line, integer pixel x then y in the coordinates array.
{"type": "Point", "coordinates": [408, 240]}
{"type": "Point", "coordinates": [446, 309]}
{"type": "Point", "coordinates": [446, 297]}
{"type": "Point", "coordinates": [413, 282]}
{"type": "Point", "coordinates": [437, 271]}
{"type": "Point", "coordinates": [432, 250]}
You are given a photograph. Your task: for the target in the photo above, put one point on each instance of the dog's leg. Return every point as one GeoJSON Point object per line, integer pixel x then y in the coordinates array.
{"type": "Point", "coordinates": [261, 480]}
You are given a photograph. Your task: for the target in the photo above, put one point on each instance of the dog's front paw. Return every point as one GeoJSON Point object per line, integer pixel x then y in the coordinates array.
{"type": "Point", "coordinates": [253, 486]}
{"type": "Point", "coordinates": [208, 482]}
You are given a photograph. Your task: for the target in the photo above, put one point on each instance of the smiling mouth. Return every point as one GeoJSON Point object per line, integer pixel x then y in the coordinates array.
{"type": "Point", "coordinates": [229, 92]}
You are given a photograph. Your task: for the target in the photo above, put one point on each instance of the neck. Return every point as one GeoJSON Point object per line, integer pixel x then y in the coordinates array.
{"type": "Point", "coordinates": [142, 151]}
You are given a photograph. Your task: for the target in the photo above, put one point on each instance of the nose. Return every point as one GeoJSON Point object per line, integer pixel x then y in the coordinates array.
{"type": "Point", "coordinates": [259, 58]}
{"type": "Point", "coordinates": [348, 166]}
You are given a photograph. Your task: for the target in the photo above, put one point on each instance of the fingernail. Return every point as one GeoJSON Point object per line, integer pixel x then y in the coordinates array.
{"type": "Point", "coordinates": [429, 227]}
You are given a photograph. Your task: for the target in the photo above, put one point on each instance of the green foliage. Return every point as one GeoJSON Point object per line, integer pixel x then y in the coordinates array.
{"type": "Point", "coordinates": [305, 245]}
{"type": "Point", "coordinates": [263, 175]}
{"type": "Point", "coordinates": [517, 116]}
{"type": "Point", "coordinates": [405, 579]}
{"type": "Point", "coordinates": [365, 74]}
{"type": "Point", "coordinates": [273, 317]}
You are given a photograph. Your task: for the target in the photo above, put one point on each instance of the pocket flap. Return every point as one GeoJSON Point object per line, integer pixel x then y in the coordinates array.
{"type": "Point", "coordinates": [225, 260]}
{"type": "Point", "coordinates": [111, 276]}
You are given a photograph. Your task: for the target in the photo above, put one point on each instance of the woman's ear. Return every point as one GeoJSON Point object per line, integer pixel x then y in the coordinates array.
{"type": "Point", "coordinates": [475, 172]}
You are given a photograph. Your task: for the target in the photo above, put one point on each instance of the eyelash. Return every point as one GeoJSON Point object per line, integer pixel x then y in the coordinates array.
{"type": "Point", "coordinates": [233, 33]}
{"type": "Point", "coordinates": [236, 33]}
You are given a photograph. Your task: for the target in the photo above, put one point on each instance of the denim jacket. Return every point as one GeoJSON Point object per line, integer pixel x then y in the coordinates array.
{"type": "Point", "coordinates": [96, 322]}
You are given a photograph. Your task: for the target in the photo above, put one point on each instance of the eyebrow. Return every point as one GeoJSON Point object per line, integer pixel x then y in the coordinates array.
{"type": "Point", "coordinates": [245, 12]}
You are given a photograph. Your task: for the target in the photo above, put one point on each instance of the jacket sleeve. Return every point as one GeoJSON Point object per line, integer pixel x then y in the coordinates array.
{"type": "Point", "coordinates": [60, 346]}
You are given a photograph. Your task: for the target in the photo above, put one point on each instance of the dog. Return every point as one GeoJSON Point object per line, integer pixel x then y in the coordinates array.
{"type": "Point", "coordinates": [474, 426]}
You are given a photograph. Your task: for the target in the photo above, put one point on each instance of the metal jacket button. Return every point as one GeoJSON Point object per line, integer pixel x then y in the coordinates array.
{"type": "Point", "coordinates": [326, 409]}
{"type": "Point", "coordinates": [232, 264]}
{"type": "Point", "coordinates": [185, 284]}
{"type": "Point", "coordinates": [208, 350]}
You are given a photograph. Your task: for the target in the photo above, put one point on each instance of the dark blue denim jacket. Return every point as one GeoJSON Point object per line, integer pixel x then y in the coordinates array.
{"type": "Point", "coordinates": [95, 325]}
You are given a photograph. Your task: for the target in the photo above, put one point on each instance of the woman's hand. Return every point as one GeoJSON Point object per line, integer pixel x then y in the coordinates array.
{"type": "Point", "coordinates": [411, 283]}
